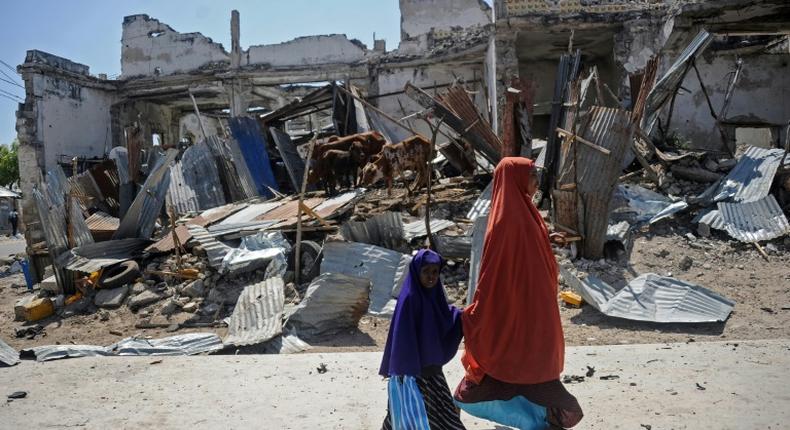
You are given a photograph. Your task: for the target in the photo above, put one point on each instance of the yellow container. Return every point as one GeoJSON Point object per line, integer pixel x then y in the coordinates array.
{"type": "Point", "coordinates": [39, 309]}
{"type": "Point", "coordinates": [571, 298]}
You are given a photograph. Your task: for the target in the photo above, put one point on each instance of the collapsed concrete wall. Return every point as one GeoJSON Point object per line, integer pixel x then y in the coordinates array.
{"type": "Point", "coordinates": [150, 47]}
{"type": "Point", "coordinates": [308, 51]}
{"type": "Point", "coordinates": [440, 16]}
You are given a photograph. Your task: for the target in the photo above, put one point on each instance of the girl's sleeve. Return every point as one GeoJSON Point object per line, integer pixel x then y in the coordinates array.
{"type": "Point", "coordinates": [456, 330]}
{"type": "Point", "coordinates": [404, 345]}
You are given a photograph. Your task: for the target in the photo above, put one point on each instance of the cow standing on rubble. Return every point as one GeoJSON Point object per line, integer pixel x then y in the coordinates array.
{"type": "Point", "coordinates": [412, 154]}
{"type": "Point", "coordinates": [337, 161]}
{"type": "Point", "coordinates": [363, 146]}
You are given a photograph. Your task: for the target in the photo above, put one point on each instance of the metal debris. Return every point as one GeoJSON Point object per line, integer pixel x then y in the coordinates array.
{"type": "Point", "coordinates": [750, 180]}
{"type": "Point", "coordinates": [754, 221]}
{"type": "Point", "coordinates": [333, 302]}
{"type": "Point", "coordinates": [183, 344]}
{"type": "Point", "coordinates": [654, 298]}
{"type": "Point", "coordinates": [215, 249]}
{"type": "Point", "coordinates": [258, 315]}
{"type": "Point", "coordinates": [417, 229]}
{"type": "Point", "coordinates": [386, 269]}
{"type": "Point", "coordinates": [8, 355]}
{"type": "Point", "coordinates": [478, 240]}
{"type": "Point", "coordinates": [194, 181]}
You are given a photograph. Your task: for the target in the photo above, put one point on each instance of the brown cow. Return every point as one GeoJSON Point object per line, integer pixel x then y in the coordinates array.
{"type": "Point", "coordinates": [335, 167]}
{"type": "Point", "coordinates": [411, 154]}
{"type": "Point", "coordinates": [367, 145]}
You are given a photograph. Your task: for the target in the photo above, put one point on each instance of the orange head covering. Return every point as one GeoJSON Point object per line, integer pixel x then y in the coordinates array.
{"type": "Point", "coordinates": [512, 329]}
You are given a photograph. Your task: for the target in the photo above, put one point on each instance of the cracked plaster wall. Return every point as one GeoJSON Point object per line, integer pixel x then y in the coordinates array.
{"type": "Point", "coordinates": [308, 51]}
{"type": "Point", "coordinates": [761, 96]}
{"type": "Point", "coordinates": [421, 16]}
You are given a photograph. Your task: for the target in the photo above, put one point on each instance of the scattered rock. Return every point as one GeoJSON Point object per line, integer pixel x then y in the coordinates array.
{"type": "Point", "coordinates": [112, 297]}
{"type": "Point", "coordinates": [590, 372]}
{"type": "Point", "coordinates": [572, 379]}
{"type": "Point", "coordinates": [104, 316]}
{"type": "Point", "coordinates": [609, 377]}
{"type": "Point", "coordinates": [686, 263]}
{"type": "Point", "coordinates": [139, 287]}
{"type": "Point", "coordinates": [18, 395]}
{"type": "Point", "coordinates": [711, 165]}
{"type": "Point", "coordinates": [322, 368]}
{"type": "Point", "coordinates": [170, 307]}
{"type": "Point", "coordinates": [771, 248]}
{"type": "Point", "coordinates": [194, 289]}
{"type": "Point", "coordinates": [144, 299]}
{"type": "Point", "coordinates": [727, 165]}
{"type": "Point", "coordinates": [190, 307]}
{"type": "Point", "coordinates": [116, 332]}
{"type": "Point", "coordinates": [210, 309]}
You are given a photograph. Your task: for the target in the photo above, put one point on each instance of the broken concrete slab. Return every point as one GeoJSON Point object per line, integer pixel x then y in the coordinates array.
{"type": "Point", "coordinates": [333, 302]}
{"type": "Point", "coordinates": [194, 289]}
{"type": "Point", "coordinates": [111, 297]}
{"type": "Point", "coordinates": [143, 299]}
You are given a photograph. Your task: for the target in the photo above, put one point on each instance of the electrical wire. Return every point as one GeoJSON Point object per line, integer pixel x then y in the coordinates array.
{"type": "Point", "coordinates": [11, 94]}
{"type": "Point", "coordinates": [10, 98]}
{"type": "Point", "coordinates": [12, 83]}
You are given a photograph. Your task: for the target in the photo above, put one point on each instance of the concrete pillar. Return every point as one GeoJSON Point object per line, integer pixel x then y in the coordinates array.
{"type": "Point", "coordinates": [506, 67]}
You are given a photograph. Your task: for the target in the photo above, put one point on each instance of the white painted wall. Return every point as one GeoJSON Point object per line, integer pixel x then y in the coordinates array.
{"type": "Point", "coordinates": [72, 120]}
{"type": "Point", "coordinates": [307, 51]}
{"type": "Point", "coordinates": [420, 16]}
{"type": "Point", "coordinates": [762, 95]}
{"type": "Point", "coordinates": [393, 80]}
{"type": "Point", "coordinates": [148, 44]}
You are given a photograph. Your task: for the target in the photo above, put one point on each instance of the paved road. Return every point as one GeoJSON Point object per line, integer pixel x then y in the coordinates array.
{"type": "Point", "coordinates": [10, 246]}
{"type": "Point", "coordinates": [722, 385]}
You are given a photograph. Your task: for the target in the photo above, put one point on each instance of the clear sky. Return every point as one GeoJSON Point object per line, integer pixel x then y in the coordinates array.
{"type": "Point", "coordinates": [89, 31]}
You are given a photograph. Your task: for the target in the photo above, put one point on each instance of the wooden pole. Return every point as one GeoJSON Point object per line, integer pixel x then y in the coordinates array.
{"type": "Point", "coordinates": [434, 133]}
{"type": "Point", "coordinates": [298, 247]}
{"type": "Point", "coordinates": [197, 112]}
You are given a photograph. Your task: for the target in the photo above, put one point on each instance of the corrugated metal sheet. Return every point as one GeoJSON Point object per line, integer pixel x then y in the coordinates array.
{"type": "Point", "coordinates": [750, 180]}
{"type": "Point", "coordinates": [386, 269]}
{"type": "Point", "coordinates": [711, 218]}
{"type": "Point", "coordinates": [214, 215]}
{"type": "Point", "coordinates": [120, 156]}
{"type": "Point", "coordinates": [258, 315]}
{"type": "Point", "coordinates": [182, 344]}
{"type": "Point", "coordinates": [252, 146]}
{"type": "Point", "coordinates": [597, 176]}
{"type": "Point", "coordinates": [53, 222]}
{"type": "Point", "coordinates": [670, 210]}
{"type": "Point", "coordinates": [142, 214]}
{"type": "Point", "coordinates": [417, 229]}
{"type": "Point", "coordinates": [8, 355]}
{"type": "Point", "coordinates": [754, 221]}
{"type": "Point", "coordinates": [215, 249]}
{"type": "Point", "coordinates": [250, 213]}
{"type": "Point", "coordinates": [293, 162]}
{"type": "Point", "coordinates": [654, 298]}
{"type": "Point", "coordinates": [637, 204]}
{"type": "Point", "coordinates": [236, 178]}
{"type": "Point", "coordinates": [333, 302]}
{"type": "Point", "coordinates": [102, 222]}
{"type": "Point", "coordinates": [453, 246]}
{"type": "Point", "coordinates": [482, 204]}
{"type": "Point", "coordinates": [385, 229]}
{"type": "Point", "coordinates": [80, 234]}
{"type": "Point", "coordinates": [285, 344]}
{"type": "Point", "coordinates": [57, 352]}
{"type": "Point", "coordinates": [474, 124]}
{"type": "Point", "coordinates": [393, 133]}
{"type": "Point", "coordinates": [668, 84]}
{"type": "Point", "coordinates": [166, 243]}
{"type": "Point", "coordinates": [478, 240]}
{"type": "Point", "coordinates": [235, 231]}
{"type": "Point", "coordinates": [94, 256]}
{"type": "Point", "coordinates": [336, 206]}
{"type": "Point", "coordinates": [194, 181]}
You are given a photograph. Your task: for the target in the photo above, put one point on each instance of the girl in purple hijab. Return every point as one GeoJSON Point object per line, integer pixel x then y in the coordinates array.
{"type": "Point", "coordinates": [424, 335]}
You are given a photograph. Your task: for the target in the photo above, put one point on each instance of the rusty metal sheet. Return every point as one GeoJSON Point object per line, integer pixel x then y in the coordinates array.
{"type": "Point", "coordinates": [166, 244]}
{"type": "Point", "coordinates": [251, 212]}
{"type": "Point", "coordinates": [335, 206]}
{"type": "Point", "coordinates": [101, 222]}
{"type": "Point", "coordinates": [218, 214]}
{"type": "Point", "coordinates": [286, 213]}
{"type": "Point", "coordinates": [235, 178]}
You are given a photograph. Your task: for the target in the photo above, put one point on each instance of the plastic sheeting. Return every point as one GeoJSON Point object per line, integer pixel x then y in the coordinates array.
{"type": "Point", "coordinates": [255, 252]}
{"type": "Point", "coordinates": [386, 269]}
{"type": "Point", "coordinates": [654, 298]}
{"type": "Point", "coordinates": [258, 315]}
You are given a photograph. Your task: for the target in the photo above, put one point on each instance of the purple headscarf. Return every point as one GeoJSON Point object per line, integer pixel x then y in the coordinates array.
{"type": "Point", "coordinates": [425, 330]}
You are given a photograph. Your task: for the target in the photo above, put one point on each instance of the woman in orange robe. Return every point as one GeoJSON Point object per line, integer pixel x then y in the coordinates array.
{"type": "Point", "coordinates": [514, 346]}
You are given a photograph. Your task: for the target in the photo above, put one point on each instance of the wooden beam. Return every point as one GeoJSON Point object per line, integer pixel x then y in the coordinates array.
{"type": "Point", "coordinates": [578, 138]}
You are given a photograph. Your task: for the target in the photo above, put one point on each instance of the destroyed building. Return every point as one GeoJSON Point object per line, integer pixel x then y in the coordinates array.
{"type": "Point", "coordinates": [181, 88]}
